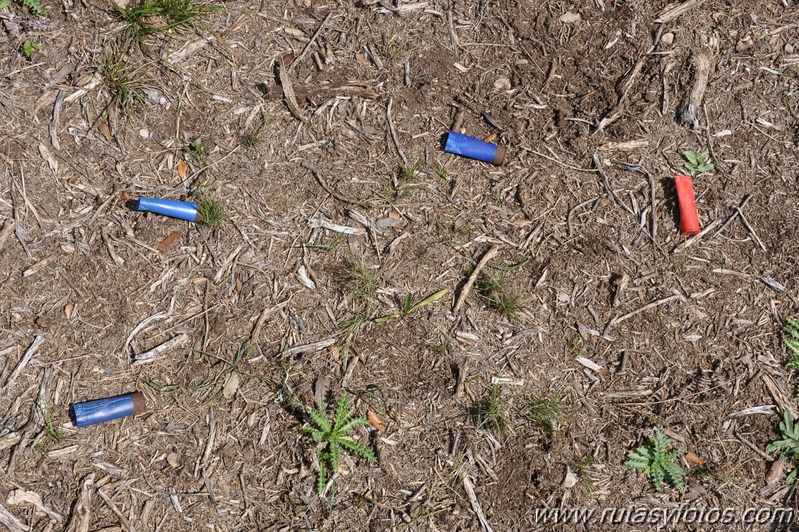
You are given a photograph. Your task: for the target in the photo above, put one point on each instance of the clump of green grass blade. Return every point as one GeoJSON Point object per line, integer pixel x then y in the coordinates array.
{"type": "Point", "coordinates": [492, 413]}
{"type": "Point", "coordinates": [151, 17]}
{"type": "Point", "coordinates": [361, 280]}
{"type": "Point", "coordinates": [211, 210]}
{"type": "Point", "coordinates": [500, 295]}
{"type": "Point", "coordinates": [125, 84]}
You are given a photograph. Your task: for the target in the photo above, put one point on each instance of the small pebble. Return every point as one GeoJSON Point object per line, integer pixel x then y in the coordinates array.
{"type": "Point", "coordinates": [667, 39]}
{"type": "Point", "coordinates": [143, 133]}
{"type": "Point", "coordinates": [502, 84]}
{"type": "Point", "coordinates": [789, 48]}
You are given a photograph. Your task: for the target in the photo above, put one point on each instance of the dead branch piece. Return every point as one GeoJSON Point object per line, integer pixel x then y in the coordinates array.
{"type": "Point", "coordinates": [24, 362]}
{"type": "Point", "coordinates": [453, 39]}
{"type": "Point", "coordinates": [11, 523]}
{"type": "Point", "coordinates": [317, 174]}
{"type": "Point", "coordinates": [310, 43]}
{"type": "Point", "coordinates": [288, 90]}
{"type": "Point", "coordinates": [673, 11]}
{"type": "Point", "coordinates": [648, 306]}
{"type": "Point", "coordinates": [734, 215]}
{"type": "Point", "coordinates": [490, 254]}
{"type": "Point", "coordinates": [394, 132]}
{"type": "Point", "coordinates": [623, 89]}
{"type": "Point", "coordinates": [468, 487]}
{"type": "Point", "coordinates": [5, 232]}
{"type": "Point", "coordinates": [20, 496]}
{"type": "Point", "coordinates": [81, 518]}
{"type": "Point", "coordinates": [690, 111]}
{"type": "Point", "coordinates": [155, 352]}
{"type": "Point", "coordinates": [318, 346]}
{"type": "Point", "coordinates": [750, 229]}
{"type": "Point", "coordinates": [122, 519]}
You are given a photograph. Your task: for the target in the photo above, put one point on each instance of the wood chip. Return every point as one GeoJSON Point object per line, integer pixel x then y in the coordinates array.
{"type": "Point", "coordinates": [151, 355]}
{"type": "Point", "coordinates": [288, 91]}
{"type": "Point", "coordinates": [672, 11]}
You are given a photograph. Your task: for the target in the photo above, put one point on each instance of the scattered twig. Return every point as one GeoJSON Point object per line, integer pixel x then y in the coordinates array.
{"type": "Point", "coordinates": [288, 90]}
{"type": "Point", "coordinates": [59, 99]}
{"type": "Point", "coordinates": [749, 228]}
{"type": "Point", "coordinates": [646, 307]}
{"type": "Point", "coordinates": [310, 43]}
{"type": "Point", "coordinates": [155, 352]}
{"type": "Point", "coordinates": [453, 39]}
{"type": "Point", "coordinates": [711, 226]}
{"type": "Point", "coordinates": [81, 518]}
{"type": "Point", "coordinates": [490, 254]}
{"type": "Point", "coordinates": [394, 131]}
{"type": "Point", "coordinates": [23, 362]}
{"type": "Point", "coordinates": [308, 165]}
{"type": "Point", "coordinates": [690, 111]}
{"type": "Point", "coordinates": [11, 523]}
{"type": "Point", "coordinates": [673, 11]}
{"type": "Point", "coordinates": [605, 183]}
{"type": "Point", "coordinates": [468, 487]}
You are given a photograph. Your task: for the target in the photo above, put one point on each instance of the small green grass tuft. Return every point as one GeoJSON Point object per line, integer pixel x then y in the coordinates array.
{"type": "Point", "coordinates": [791, 341]}
{"type": "Point", "coordinates": [491, 413]}
{"type": "Point", "coordinates": [332, 435]}
{"type": "Point", "coordinates": [211, 210]}
{"type": "Point", "coordinates": [124, 84]}
{"type": "Point", "coordinates": [544, 414]}
{"type": "Point", "coordinates": [656, 461]}
{"type": "Point", "coordinates": [500, 295]}
{"type": "Point", "coordinates": [697, 162]}
{"type": "Point", "coordinates": [361, 280]}
{"type": "Point", "coordinates": [29, 48]}
{"type": "Point", "coordinates": [441, 171]}
{"type": "Point", "coordinates": [788, 445]}
{"type": "Point", "coordinates": [252, 138]}
{"type": "Point", "coordinates": [147, 18]}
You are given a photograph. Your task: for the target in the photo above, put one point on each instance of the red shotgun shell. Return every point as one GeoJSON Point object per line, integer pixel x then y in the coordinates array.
{"type": "Point", "coordinates": [689, 219]}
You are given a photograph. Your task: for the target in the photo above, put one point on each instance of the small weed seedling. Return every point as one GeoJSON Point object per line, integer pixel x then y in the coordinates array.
{"type": "Point", "coordinates": [211, 210]}
{"type": "Point", "coordinates": [409, 307]}
{"type": "Point", "coordinates": [788, 445]}
{"type": "Point", "coordinates": [333, 438]}
{"type": "Point", "coordinates": [791, 340]}
{"type": "Point", "coordinates": [361, 280]}
{"type": "Point", "coordinates": [35, 6]}
{"type": "Point", "coordinates": [51, 431]}
{"type": "Point", "coordinates": [492, 413]}
{"type": "Point", "coordinates": [544, 414]}
{"type": "Point", "coordinates": [499, 295]}
{"type": "Point", "coordinates": [29, 48]}
{"type": "Point", "coordinates": [441, 171]}
{"type": "Point", "coordinates": [697, 162]}
{"type": "Point", "coordinates": [655, 460]}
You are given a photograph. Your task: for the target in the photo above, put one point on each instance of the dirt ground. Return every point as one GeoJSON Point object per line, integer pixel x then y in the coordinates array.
{"type": "Point", "coordinates": [271, 313]}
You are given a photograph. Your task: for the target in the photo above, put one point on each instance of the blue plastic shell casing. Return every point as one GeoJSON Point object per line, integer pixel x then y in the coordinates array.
{"type": "Point", "coordinates": [102, 410]}
{"type": "Point", "coordinates": [475, 148]}
{"type": "Point", "coordinates": [183, 210]}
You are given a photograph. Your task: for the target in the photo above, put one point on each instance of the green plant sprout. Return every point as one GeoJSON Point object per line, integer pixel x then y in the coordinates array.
{"type": "Point", "coordinates": [123, 83]}
{"type": "Point", "coordinates": [408, 307]}
{"type": "Point", "coordinates": [656, 461]}
{"type": "Point", "coordinates": [50, 431]}
{"type": "Point", "coordinates": [492, 414]}
{"type": "Point", "coordinates": [788, 445]}
{"type": "Point", "coordinates": [791, 341]}
{"type": "Point", "coordinates": [35, 6]}
{"type": "Point", "coordinates": [697, 162]}
{"type": "Point", "coordinates": [29, 48]}
{"type": "Point", "coordinates": [333, 438]}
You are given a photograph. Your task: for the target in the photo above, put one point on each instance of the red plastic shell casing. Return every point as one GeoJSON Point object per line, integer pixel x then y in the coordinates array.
{"type": "Point", "coordinates": [689, 218]}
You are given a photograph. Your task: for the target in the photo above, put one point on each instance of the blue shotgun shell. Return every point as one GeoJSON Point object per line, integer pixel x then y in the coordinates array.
{"type": "Point", "coordinates": [102, 410]}
{"type": "Point", "coordinates": [183, 210]}
{"type": "Point", "coordinates": [475, 148]}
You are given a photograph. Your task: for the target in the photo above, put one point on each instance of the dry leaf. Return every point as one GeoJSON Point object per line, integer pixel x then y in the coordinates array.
{"type": "Point", "coordinates": [123, 197]}
{"type": "Point", "coordinates": [182, 167]}
{"type": "Point", "coordinates": [102, 127]}
{"type": "Point", "coordinates": [231, 386]}
{"type": "Point", "coordinates": [692, 458]}
{"type": "Point", "coordinates": [361, 58]}
{"type": "Point", "coordinates": [73, 179]}
{"type": "Point", "coordinates": [522, 222]}
{"type": "Point", "coordinates": [569, 17]}
{"type": "Point", "coordinates": [775, 473]}
{"type": "Point", "coordinates": [491, 138]}
{"type": "Point", "coordinates": [68, 309]}
{"type": "Point", "coordinates": [375, 420]}
{"type": "Point", "coordinates": [169, 240]}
